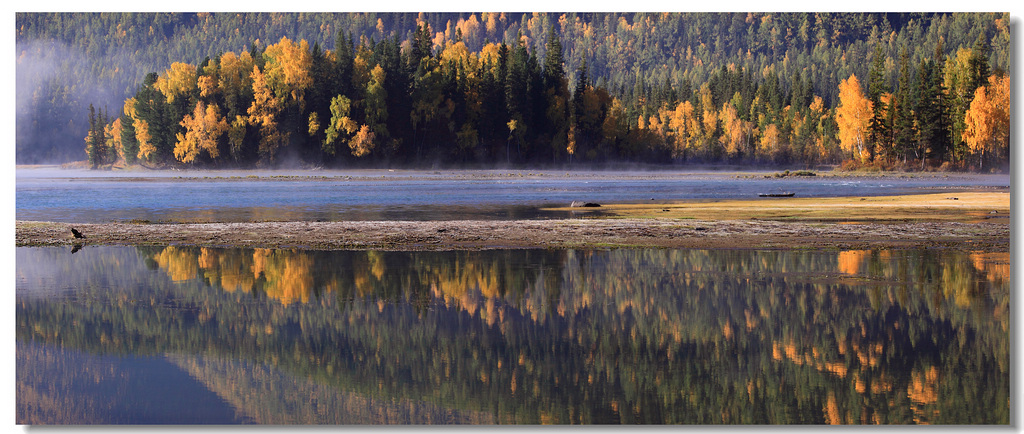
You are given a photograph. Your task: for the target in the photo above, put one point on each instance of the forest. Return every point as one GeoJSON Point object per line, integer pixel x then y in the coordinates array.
{"type": "Point", "coordinates": [914, 91]}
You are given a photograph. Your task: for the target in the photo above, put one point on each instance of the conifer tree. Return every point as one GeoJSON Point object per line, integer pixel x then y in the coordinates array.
{"type": "Point", "coordinates": [903, 122]}
{"type": "Point", "coordinates": [879, 132]}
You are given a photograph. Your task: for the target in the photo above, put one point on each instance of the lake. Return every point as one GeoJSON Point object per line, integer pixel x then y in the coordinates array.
{"type": "Point", "coordinates": [82, 196]}
{"type": "Point", "coordinates": [116, 335]}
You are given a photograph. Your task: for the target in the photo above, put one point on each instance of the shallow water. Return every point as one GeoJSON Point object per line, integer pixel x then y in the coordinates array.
{"type": "Point", "coordinates": [127, 334]}
{"type": "Point", "coordinates": [226, 196]}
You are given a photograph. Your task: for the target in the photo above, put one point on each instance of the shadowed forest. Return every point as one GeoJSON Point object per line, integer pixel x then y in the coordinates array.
{"type": "Point", "coordinates": [906, 91]}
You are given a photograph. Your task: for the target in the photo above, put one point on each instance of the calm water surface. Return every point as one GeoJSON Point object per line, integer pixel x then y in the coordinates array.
{"type": "Point", "coordinates": [225, 196]}
{"type": "Point", "coordinates": [113, 335]}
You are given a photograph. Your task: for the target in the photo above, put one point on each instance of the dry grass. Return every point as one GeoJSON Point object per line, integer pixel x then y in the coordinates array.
{"type": "Point", "coordinates": [959, 206]}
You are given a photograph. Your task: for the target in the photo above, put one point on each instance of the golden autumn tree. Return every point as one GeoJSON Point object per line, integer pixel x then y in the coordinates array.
{"type": "Point", "coordinates": [363, 142]}
{"type": "Point", "coordinates": [146, 148]}
{"type": "Point", "coordinates": [820, 117]}
{"type": "Point", "coordinates": [770, 146]}
{"type": "Point", "coordinates": [287, 69]}
{"type": "Point", "coordinates": [376, 111]}
{"type": "Point", "coordinates": [209, 81]}
{"type": "Point", "coordinates": [179, 80]}
{"type": "Point", "coordinates": [615, 125]}
{"type": "Point", "coordinates": [203, 129]}
{"type": "Point", "coordinates": [987, 120]}
{"type": "Point", "coordinates": [709, 118]}
{"type": "Point", "coordinates": [684, 128]}
{"type": "Point", "coordinates": [853, 115]}
{"type": "Point", "coordinates": [263, 113]}
{"type": "Point", "coordinates": [735, 131]}
{"type": "Point", "coordinates": [236, 136]}
{"type": "Point", "coordinates": [341, 124]}
{"type": "Point", "coordinates": [113, 134]}
{"type": "Point", "coordinates": [235, 81]}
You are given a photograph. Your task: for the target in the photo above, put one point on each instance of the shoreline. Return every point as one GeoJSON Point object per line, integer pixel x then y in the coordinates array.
{"type": "Point", "coordinates": [529, 234]}
{"type": "Point", "coordinates": [964, 221]}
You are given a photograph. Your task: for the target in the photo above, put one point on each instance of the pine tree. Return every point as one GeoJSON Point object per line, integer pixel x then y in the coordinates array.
{"type": "Point", "coordinates": [979, 63]}
{"type": "Point", "coordinates": [931, 120]}
{"type": "Point", "coordinates": [92, 140]}
{"type": "Point", "coordinates": [903, 122]}
{"type": "Point", "coordinates": [879, 132]}
{"type": "Point", "coordinates": [344, 56]}
{"type": "Point", "coordinates": [556, 95]}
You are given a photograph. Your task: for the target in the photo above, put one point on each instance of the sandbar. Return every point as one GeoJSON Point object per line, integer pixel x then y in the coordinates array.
{"type": "Point", "coordinates": [975, 221]}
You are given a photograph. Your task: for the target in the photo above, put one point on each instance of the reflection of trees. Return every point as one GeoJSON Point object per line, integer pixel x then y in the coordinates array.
{"type": "Point", "coordinates": [674, 336]}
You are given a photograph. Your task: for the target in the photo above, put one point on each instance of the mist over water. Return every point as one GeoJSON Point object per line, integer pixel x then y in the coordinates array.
{"type": "Point", "coordinates": [321, 195]}
{"type": "Point", "coordinates": [52, 97]}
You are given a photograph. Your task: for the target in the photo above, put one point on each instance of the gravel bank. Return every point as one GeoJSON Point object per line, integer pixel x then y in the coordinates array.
{"type": "Point", "coordinates": [993, 235]}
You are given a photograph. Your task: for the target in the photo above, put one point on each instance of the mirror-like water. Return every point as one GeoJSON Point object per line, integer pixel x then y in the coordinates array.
{"type": "Point", "coordinates": [128, 334]}
{"type": "Point", "coordinates": [94, 197]}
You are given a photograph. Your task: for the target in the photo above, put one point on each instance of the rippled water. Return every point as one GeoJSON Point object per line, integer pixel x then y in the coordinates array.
{"type": "Point", "coordinates": [111, 335]}
{"type": "Point", "coordinates": [92, 197]}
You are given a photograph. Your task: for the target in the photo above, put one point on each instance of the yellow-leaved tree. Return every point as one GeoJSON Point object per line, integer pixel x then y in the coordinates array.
{"type": "Point", "coordinates": [179, 80]}
{"type": "Point", "coordinates": [735, 131]}
{"type": "Point", "coordinates": [113, 133]}
{"type": "Point", "coordinates": [987, 121]}
{"type": "Point", "coordinates": [685, 130]}
{"type": "Point", "coordinates": [853, 116]}
{"type": "Point", "coordinates": [203, 129]}
{"type": "Point", "coordinates": [146, 148]}
{"type": "Point", "coordinates": [263, 113]}
{"type": "Point", "coordinates": [287, 69]}
{"type": "Point", "coordinates": [340, 125]}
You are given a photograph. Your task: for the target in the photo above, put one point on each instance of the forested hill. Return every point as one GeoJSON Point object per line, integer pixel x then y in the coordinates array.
{"type": "Point", "coordinates": [320, 89]}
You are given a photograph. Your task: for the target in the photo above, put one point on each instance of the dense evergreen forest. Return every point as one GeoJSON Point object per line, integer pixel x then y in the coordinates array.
{"type": "Point", "coordinates": [224, 90]}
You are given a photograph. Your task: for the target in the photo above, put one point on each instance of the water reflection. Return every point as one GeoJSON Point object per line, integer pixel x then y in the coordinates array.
{"type": "Point", "coordinates": [540, 336]}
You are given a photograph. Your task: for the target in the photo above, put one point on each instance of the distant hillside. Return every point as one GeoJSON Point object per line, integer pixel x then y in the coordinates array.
{"type": "Point", "coordinates": [648, 62]}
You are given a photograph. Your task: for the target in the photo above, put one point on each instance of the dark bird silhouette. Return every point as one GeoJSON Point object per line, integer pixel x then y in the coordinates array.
{"type": "Point", "coordinates": [77, 234]}
{"type": "Point", "coordinates": [76, 248]}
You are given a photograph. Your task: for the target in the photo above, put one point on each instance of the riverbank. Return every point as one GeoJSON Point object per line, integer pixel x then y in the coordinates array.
{"type": "Point", "coordinates": [966, 221]}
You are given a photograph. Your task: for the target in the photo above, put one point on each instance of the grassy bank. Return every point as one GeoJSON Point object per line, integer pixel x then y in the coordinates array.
{"type": "Point", "coordinates": [937, 207]}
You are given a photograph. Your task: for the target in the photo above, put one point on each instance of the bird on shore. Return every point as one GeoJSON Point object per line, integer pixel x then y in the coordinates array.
{"type": "Point", "coordinates": [76, 233]}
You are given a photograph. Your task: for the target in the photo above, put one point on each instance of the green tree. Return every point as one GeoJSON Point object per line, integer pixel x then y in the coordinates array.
{"type": "Point", "coordinates": [903, 124]}
{"type": "Point", "coordinates": [556, 95]}
{"type": "Point", "coordinates": [879, 129]}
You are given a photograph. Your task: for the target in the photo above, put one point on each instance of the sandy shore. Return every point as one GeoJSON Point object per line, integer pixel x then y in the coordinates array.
{"type": "Point", "coordinates": [968, 221]}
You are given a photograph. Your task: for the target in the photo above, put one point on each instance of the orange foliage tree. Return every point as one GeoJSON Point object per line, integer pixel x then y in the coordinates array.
{"type": "Point", "coordinates": [203, 129]}
{"type": "Point", "coordinates": [853, 117]}
{"type": "Point", "coordinates": [988, 120]}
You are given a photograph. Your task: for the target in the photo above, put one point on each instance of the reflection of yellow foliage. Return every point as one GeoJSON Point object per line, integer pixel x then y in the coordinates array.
{"type": "Point", "coordinates": [921, 392]}
{"type": "Point", "coordinates": [288, 275]}
{"type": "Point", "coordinates": [179, 264]}
{"type": "Point", "coordinates": [995, 265]}
{"type": "Point", "coordinates": [259, 261]}
{"type": "Point", "coordinates": [837, 368]}
{"type": "Point", "coordinates": [922, 387]}
{"type": "Point", "coordinates": [377, 266]}
{"type": "Point", "coordinates": [546, 418]}
{"type": "Point", "coordinates": [751, 320]}
{"type": "Point", "coordinates": [881, 385]}
{"type": "Point", "coordinates": [832, 416]}
{"type": "Point", "coordinates": [851, 260]}
{"type": "Point", "coordinates": [207, 258]}
{"type": "Point", "coordinates": [792, 354]}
